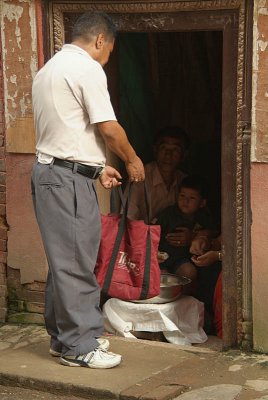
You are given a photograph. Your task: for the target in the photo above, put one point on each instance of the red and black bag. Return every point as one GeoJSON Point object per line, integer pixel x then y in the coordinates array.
{"type": "Point", "coordinates": [127, 267]}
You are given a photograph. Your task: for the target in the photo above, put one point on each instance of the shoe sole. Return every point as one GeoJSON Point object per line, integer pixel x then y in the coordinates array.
{"type": "Point", "coordinates": [104, 346]}
{"type": "Point", "coordinates": [54, 353]}
{"type": "Point", "coordinates": [68, 363]}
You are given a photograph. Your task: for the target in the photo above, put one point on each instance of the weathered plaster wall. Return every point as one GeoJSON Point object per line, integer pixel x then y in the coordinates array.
{"type": "Point", "coordinates": [259, 176]}
{"type": "Point", "coordinates": [26, 262]}
{"type": "Point", "coordinates": [18, 28]}
{"type": "Point", "coordinates": [3, 227]}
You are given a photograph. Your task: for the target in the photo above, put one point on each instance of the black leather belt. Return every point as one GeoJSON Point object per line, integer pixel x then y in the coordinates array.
{"type": "Point", "coordinates": [86, 170]}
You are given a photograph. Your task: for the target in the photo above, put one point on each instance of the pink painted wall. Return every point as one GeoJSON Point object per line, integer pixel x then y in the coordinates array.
{"type": "Point", "coordinates": [259, 176]}
{"type": "Point", "coordinates": [25, 250]}
{"type": "Point", "coordinates": [259, 203]}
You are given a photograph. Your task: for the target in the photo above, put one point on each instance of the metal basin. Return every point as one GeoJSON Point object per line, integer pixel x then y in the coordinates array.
{"type": "Point", "coordinates": [170, 289]}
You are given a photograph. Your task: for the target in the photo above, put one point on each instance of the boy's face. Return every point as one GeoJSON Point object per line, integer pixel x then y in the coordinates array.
{"type": "Point", "coordinates": [168, 154]}
{"type": "Point", "coordinates": [190, 200]}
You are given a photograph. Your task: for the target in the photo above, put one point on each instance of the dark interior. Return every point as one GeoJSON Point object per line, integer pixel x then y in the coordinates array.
{"type": "Point", "coordinates": [172, 78]}
{"type": "Point", "coordinates": [157, 79]}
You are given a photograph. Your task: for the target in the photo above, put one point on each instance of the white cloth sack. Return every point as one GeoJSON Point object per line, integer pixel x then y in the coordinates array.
{"type": "Point", "coordinates": [181, 321]}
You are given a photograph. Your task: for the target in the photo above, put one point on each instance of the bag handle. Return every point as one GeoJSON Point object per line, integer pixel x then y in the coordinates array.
{"type": "Point", "coordinates": [118, 240]}
{"type": "Point", "coordinates": [116, 191]}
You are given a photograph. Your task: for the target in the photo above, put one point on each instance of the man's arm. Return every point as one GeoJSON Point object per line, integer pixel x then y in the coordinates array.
{"type": "Point", "coordinates": [116, 139]}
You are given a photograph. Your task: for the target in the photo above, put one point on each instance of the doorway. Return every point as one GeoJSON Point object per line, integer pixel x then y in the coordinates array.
{"type": "Point", "coordinates": [163, 24]}
{"type": "Point", "coordinates": [172, 79]}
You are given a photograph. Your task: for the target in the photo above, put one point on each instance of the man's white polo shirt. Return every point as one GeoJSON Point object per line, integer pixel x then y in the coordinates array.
{"type": "Point", "coordinates": [70, 96]}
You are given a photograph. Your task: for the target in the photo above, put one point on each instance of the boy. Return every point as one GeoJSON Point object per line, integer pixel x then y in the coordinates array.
{"type": "Point", "coordinates": [190, 216]}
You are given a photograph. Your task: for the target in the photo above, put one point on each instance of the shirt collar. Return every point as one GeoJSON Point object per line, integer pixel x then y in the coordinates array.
{"type": "Point", "coordinates": [157, 177]}
{"type": "Point", "coordinates": [74, 48]}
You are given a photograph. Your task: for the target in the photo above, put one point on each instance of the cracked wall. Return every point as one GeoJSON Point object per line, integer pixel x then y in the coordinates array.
{"type": "Point", "coordinates": [20, 63]}
{"type": "Point", "coordinates": [259, 174]}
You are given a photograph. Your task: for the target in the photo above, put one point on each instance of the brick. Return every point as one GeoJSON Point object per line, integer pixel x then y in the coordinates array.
{"type": "Point", "coordinates": [2, 151]}
{"type": "Point", "coordinates": [3, 245]}
{"type": "Point", "coordinates": [3, 231]}
{"type": "Point", "coordinates": [3, 291]}
{"type": "Point", "coordinates": [38, 286]}
{"type": "Point", "coordinates": [2, 165]}
{"type": "Point", "coordinates": [3, 302]}
{"type": "Point", "coordinates": [3, 279]}
{"type": "Point", "coordinates": [2, 188]}
{"type": "Point", "coordinates": [2, 174]}
{"type": "Point", "coordinates": [16, 305]}
{"type": "Point", "coordinates": [2, 197]}
{"type": "Point", "coordinates": [3, 268]}
{"type": "Point", "coordinates": [30, 296]}
{"type": "Point", "coordinates": [34, 307]}
{"type": "Point", "coordinates": [3, 256]}
{"type": "Point", "coordinates": [2, 209]}
{"type": "Point", "coordinates": [13, 277]}
{"type": "Point", "coordinates": [3, 314]}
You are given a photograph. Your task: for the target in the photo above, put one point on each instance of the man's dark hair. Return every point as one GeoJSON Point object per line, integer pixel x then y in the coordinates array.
{"type": "Point", "coordinates": [195, 182]}
{"type": "Point", "coordinates": [174, 132]}
{"type": "Point", "coordinates": [91, 24]}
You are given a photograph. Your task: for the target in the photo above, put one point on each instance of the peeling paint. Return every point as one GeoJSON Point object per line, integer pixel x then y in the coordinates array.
{"type": "Point", "coordinates": [19, 43]}
{"type": "Point", "coordinates": [261, 3]}
{"type": "Point", "coordinates": [23, 106]}
{"type": "Point", "coordinates": [13, 79]}
{"type": "Point", "coordinates": [262, 44]}
{"type": "Point", "coordinates": [263, 11]}
{"type": "Point", "coordinates": [12, 12]}
{"type": "Point", "coordinates": [12, 99]}
{"type": "Point", "coordinates": [255, 64]}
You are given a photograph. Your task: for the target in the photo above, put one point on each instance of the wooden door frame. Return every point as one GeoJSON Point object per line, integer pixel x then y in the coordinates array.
{"type": "Point", "coordinates": [234, 19]}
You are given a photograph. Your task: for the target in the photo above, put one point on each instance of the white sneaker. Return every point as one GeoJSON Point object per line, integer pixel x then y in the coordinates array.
{"type": "Point", "coordinates": [104, 344]}
{"type": "Point", "coordinates": [54, 353]}
{"type": "Point", "coordinates": [97, 358]}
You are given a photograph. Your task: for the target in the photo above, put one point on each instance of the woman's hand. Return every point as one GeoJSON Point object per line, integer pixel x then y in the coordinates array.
{"type": "Point", "coordinates": [200, 245]}
{"type": "Point", "coordinates": [210, 257]}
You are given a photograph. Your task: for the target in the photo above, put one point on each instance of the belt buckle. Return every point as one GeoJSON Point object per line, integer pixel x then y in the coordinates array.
{"type": "Point", "coordinates": [96, 173]}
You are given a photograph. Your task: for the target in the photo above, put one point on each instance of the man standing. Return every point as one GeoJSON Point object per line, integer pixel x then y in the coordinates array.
{"type": "Point", "coordinates": [74, 120]}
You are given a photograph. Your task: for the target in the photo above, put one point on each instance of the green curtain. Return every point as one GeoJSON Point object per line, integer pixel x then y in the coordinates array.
{"type": "Point", "coordinates": [136, 101]}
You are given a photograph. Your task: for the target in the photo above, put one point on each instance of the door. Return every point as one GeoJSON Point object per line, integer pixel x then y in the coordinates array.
{"type": "Point", "coordinates": [230, 20]}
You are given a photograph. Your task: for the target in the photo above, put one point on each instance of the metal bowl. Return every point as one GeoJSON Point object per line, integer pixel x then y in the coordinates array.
{"type": "Point", "coordinates": [170, 289]}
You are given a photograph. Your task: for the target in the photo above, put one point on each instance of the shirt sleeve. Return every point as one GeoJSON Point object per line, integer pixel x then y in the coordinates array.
{"type": "Point", "coordinates": [96, 96]}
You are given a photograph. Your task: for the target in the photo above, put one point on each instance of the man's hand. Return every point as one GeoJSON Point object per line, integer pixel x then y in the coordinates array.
{"type": "Point", "coordinates": [135, 170]}
{"type": "Point", "coordinates": [116, 139]}
{"type": "Point", "coordinates": [110, 177]}
{"type": "Point", "coordinates": [182, 237]}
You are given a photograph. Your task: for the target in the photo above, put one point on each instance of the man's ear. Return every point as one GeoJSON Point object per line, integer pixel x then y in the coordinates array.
{"type": "Point", "coordinates": [100, 41]}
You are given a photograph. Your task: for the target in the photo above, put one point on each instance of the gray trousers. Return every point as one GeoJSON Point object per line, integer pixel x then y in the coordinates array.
{"type": "Point", "coordinates": [68, 216]}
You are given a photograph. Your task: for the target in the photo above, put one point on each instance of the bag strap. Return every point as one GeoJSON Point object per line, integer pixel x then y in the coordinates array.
{"type": "Point", "coordinates": [116, 192]}
{"type": "Point", "coordinates": [118, 240]}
